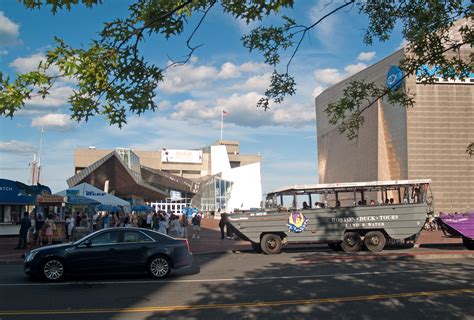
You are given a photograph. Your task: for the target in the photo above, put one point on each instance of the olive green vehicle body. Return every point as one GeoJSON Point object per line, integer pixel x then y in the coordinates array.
{"type": "Point", "coordinates": [326, 225]}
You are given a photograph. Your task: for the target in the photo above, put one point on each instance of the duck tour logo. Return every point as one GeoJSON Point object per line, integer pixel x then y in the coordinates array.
{"type": "Point", "coordinates": [297, 222]}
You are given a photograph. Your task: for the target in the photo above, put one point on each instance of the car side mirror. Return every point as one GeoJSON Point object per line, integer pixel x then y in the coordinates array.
{"type": "Point", "coordinates": [86, 244]}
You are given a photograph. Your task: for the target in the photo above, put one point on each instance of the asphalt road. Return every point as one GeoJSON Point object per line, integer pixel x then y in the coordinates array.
{"type": "Point", "coordinates": [292, 285]}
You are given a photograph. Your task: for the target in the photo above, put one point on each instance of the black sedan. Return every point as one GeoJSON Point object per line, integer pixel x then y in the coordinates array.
{"type": "Point", "coordinates": [114, 250]}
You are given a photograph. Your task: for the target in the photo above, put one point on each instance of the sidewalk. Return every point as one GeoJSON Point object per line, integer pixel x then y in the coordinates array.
{"type": "Point", "coordinates": [431, 244]}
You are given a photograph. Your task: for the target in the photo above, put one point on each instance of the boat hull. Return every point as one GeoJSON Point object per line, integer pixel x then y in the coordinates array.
{"type": "Point", "coordinates": [330, 224]}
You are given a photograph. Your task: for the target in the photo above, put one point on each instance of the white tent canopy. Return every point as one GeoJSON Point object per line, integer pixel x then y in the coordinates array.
{"type": "Point", "coordinates": [89, 191]}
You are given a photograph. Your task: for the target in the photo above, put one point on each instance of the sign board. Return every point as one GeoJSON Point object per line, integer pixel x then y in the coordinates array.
{"type": "Point", "coordinates": [51, 198]}
{"type": "Point", "coordinates": [426, 71]}
{"type": "Point", "coordinates": [72, 192]}
{"type": "Point", "coordinates": [394, 78]}
{"type": "Point", "coordinates": [181, 156]}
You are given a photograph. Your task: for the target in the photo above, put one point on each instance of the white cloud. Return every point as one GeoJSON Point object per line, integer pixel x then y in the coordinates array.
{"type": "Point", "coordinates": [294, 115]}
{"type": "Point", "coordinates": [255, 83]}
{"type": "Point", "coordinates": [317, 91]}
{"type": "Point", "coordinates": [27, 64]}
{"type": "Point", "coordinates": [328, 76]}
{"type": "Point", "coordinates": [31, 63]}
{"type": "Point", "coordinates": [366, 56]}
{"type": "Point", "coordinates": [17, 147]}
{"type": "Point", "coordinates": [253, 67]}
{"type": "Point", "coordinates": [332, 76]}
{"type": "Point", "coordinates": [53, 121]}
{"type": "Point", "coordinates": [228, 70]}
{"type": "Point", "coordinates": [57, 97]}
{"type": "Point", "coordinates": [3, 52]}
{"type": "Point", "coordinates": [244, 113]}
{"type": "Point", "coordinates": [354, 68]}
{"type": "Point", "coordinates": [187, 77]}
{"type": "Point", "coordinates": [9, 31]}
{"type": "Point", "coordinates": [191, 109]}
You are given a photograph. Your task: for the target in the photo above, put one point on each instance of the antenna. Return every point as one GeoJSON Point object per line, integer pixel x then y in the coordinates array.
{"type": "Point", "coordinates": [36, 164]}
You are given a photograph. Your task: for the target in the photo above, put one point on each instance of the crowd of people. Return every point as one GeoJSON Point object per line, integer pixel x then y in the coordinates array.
{"type": "Point", "coordinates": [163, 222]}
{"type": "Point", "coordinates": [36, 228]}
{"type": "Point", "coordinates": [39, 228]}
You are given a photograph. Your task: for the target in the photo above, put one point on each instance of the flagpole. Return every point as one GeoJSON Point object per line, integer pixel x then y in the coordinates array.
{"type": "Point", "coordinates": [222, 121]}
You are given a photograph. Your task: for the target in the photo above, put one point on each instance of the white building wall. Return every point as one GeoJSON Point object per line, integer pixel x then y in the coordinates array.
{"type": "Point", "coordinates": [219, 160]}
{"type": "Point", "coordinates": [246, 188]}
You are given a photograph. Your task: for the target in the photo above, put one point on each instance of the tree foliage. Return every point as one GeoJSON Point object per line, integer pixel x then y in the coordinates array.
{"type": "Point", "coordinates": [114, 79]}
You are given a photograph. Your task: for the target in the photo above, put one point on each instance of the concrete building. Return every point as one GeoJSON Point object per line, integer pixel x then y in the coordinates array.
{"type": "Point", "coordinates": [189, 164]}
{"type": "Point", "coordinates": [427, 141]}
{"type": "Point", "coordinates": [212, 178]}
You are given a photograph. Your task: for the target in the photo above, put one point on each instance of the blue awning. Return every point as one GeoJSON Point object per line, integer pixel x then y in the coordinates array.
{"type": "Point", "coordinates": [105, 207]}
{"type": "Point", "coordinates": [142, 208]}
{"type": "Point", "coordinates": [79, 200]}
{"type": "Point", "coordinates": [15, 192]}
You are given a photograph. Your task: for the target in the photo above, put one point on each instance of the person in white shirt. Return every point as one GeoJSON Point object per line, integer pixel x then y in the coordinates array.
{"type": "Point", "coordinates": [70, 223]}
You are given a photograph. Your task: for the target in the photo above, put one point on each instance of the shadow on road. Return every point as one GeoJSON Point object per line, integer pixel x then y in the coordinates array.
{"type": "Point", "coordinates": [272, 287]}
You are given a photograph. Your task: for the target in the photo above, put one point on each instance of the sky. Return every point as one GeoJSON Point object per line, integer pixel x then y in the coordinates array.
{"type": "Point", "coordinates": [221, 75]}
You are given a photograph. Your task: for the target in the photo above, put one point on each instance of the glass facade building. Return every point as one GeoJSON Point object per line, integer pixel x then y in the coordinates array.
{"type": "Point", "coordinates": [215, 194]}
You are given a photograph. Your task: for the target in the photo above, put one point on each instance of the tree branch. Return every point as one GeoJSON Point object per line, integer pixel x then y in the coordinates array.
{"type": "Point", "coordinates": [306, 29]}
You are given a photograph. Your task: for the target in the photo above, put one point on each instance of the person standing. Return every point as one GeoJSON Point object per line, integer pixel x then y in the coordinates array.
{"type": "Point", "coordinates": [222, 223]}
{"type": "Point", "coordinates": [25, 225]}
{"type": "Point", "coordinates": [48, 226]}
{"type": "Point", "coordinates": [70, 227]}
{"type": "Point", "coordinates": [184, 226]}
{"type": "Point", "coordinates": [162, 225]}
{"type": "Point", "coordinates": [32, 233]}
{"type": "Point", "coordinates": [149, 219]}
{"type": "Point", "coordinates": [196, 221]}
{"type": "Point", "coordinates": [39, 223]}
{"type": "Point", "coordinates": [106, 221]}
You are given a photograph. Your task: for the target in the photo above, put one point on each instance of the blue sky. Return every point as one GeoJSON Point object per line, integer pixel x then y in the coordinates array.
{"type": "Point", "coordinates": [221, 75]}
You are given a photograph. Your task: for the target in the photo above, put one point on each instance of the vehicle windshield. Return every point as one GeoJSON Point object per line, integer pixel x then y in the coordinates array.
{"type": "Point", "coordinates": [373, 193]}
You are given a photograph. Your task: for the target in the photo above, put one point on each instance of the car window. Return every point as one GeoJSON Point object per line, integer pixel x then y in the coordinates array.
{"type": "Point", "coordinates": [135, 236]}
{"type": "Point", "coordinates": [105, 238]}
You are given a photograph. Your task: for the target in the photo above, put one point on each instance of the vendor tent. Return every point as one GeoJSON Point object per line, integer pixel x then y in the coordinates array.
{"type": "Point", "coordinates": [109, 208]}
{"type": "Point", "coordinates": [91, 192]}
{"type": "Point", "coordinates": [142, 208]}
{"type": "Point", "coordinates": [80, 200]}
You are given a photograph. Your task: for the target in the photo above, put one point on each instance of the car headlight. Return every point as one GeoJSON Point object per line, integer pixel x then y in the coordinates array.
{"type": "Point", "coordinates": [30, 256]}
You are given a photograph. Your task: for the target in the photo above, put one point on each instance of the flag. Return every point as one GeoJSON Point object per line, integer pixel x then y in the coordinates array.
{"type": "Point", "coordinates": [225, 113]}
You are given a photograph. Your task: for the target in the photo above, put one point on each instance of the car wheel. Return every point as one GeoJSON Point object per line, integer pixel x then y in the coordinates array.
{"type": "Point", "coordinates": [271, 244]}
{"type": "Point", "coordinates": [53, 269]}
{"type": "Point", "coordinates": [256, 247]}
{"type": "Point", "coordinates": [351, 242]}
{"type": "Point", "coordinates": [468, 243]}
{"type": "Point", "coordinates": [159, 267]}
{"type": "Point", "coordinates": [374, 241]}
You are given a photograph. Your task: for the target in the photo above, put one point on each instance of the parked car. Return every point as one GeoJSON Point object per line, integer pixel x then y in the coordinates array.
{"type": "Point", "coordinates": [114, 250]}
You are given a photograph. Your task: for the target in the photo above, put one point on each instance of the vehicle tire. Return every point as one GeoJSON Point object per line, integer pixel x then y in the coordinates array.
{"type": "Point", "coordinates": [468, 243]}
{"type": "Point", "coordinates": [375, 241]}
{"type": "Point", "coordinates": [336, 246]}
{"type": "Point", "coordinates": [351, 242]}
{"type": "Point", "coordinates": [256, 247]}
{"type": "Point", "coordinates": [159, 267]}
{"type": "Point", "coordinates": [53, 269]}
{"type": "Point", "coordinates": [271, 243]}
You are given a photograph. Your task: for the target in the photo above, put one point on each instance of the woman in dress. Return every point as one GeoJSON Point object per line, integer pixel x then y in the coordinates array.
{"type": "Point", "coordinates": [48, 226]}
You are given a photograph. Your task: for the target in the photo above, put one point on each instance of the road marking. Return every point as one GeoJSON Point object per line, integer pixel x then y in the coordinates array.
{"type": "Point", "coordinates": [335, 275]}
{"type": "Point", "coordinates": [260, 304]}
